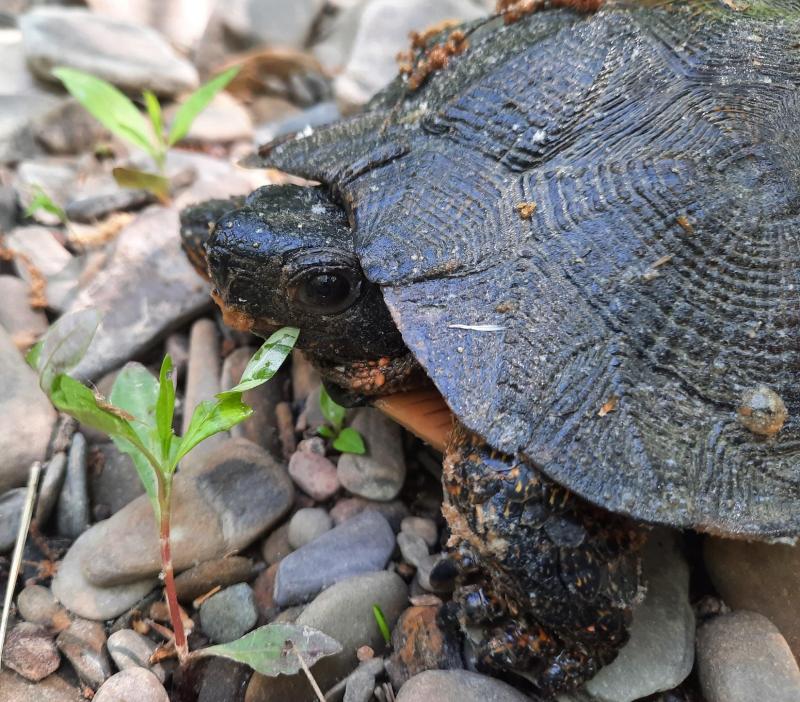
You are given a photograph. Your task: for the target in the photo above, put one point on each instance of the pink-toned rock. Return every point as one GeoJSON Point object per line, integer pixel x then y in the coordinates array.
{"type": "Point", "coordinates": [314, 474]}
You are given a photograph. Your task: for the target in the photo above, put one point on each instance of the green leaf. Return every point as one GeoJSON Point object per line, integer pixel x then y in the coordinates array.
{"type": "Point", "coordinates": [333, 412]}
{"type": "Point", "coordinates": [165, 408]}
{"type": "Point", "coordinates": [377, 612]}
{"type": "Point", "coordinates": [154, 113]}
{"type": "Point", "coordinates": [211, 417]}
{"type": "Point", "coordinates": [114, 110]}
{"type": "Point", "coordinates": [65, 344]}
{"type": "Point", "coordinates": [326, 431]}
{"type": "Point", "coordinates": [34, 355]}
{"type": "Point", "coordinates": [196, 103]}
{"type": "Point", "coordinates": [266, 361]}
{"type": "Point", "coordinates": [42, 201]}
{"type": "Point", "coordinates": [140, 180]}
{"type": "Point", "coordinates": [349, 441]}
{"type": "Point", "coordinates": [274, 649]}
{"type": "Point", "coordinates": [145, 471]}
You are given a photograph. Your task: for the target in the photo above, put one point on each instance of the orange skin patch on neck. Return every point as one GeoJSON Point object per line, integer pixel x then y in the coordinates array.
{"type": "Point", "coordinates": [423, 412]}
{"type": "Point", "coordinates": [234, 318]}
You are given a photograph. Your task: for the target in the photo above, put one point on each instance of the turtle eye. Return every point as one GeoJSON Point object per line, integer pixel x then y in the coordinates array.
{"type": "Point", "coordinates": [326, 291]}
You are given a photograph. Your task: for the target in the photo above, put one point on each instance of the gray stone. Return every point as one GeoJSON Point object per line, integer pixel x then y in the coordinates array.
{"type": "Point", "coordinates": [314, 474]}
{"type": "Point", "coordinates": [31, 652]}
{"type": "Point", "coordinates": [222, 679]}
{"type": "Point", "coordinates": [413, 548]}
{"type": "Point", "coordinates": [204, 577]}
{"type": "Point", "coordinates": [146, 288]}
{"type": "Point", "coordinates": [383, 29]}
{"type": "Point", "coordinates": [360, 686]}
{"type": "Point", "coordinates": [11, 505]}
{"type": "Point", "coordinates": [15, 78]}
{"type": "Point", "coordinates": [84, 645]}
{"type": "Point", "coordinates": [660, 653]}
{"type": "Point", "coordinates": [457, 686]}
{"type": "Point", "coordinates": [742, 657]}
{"type": "Point", "coordinates": [55, 176]}
{"type": "Point", "coordinates": [72, 514]}
{"type": "Point", "coordinates": [17, 117]}
{"type": "Point", "coordinates": [50, 487]}
{"type": "Point", "coordinates": [271, 22]}
{"type": "Point", "coordinates": [129, 649]}
{"type": "Point", "coordinates": [202, 383]}
{"type": "Point", "coordinates": [132, 57]}
{"type": "Point", "coordinates": [69, 129]}
{"type": "Point", "coordinates": [759, 577]}
{"type": "Point", "coordinates": [113, 481]}
{"type": "Point", "coordinates": [425, 569]}
{"type": "Point", "coordinates": [26, 415]}
{"type": "Point", "coordinates": [8, 208]}
{"type": "Point", "coordinates": [17, 317]}
{"type": "Point", "coordinates": [394, 512]}
{"type": "Point", "coordinates": [14, 688]}
{"type": "Point", "coordinates": [37, 605]}
{"type": "Point", "coordinates": [90, 209]}
{"type": "Point", "coordinates": [276, 545]}
{"type": "Point", "coordinates": [132, 685]}
{"type": "Point", "coordinates": [360, 545]}
{"type": "Point", "coordinates": [343, 612]}
{"type": "Point", "coordinates": [307, 524]}
{"type": "Point", "coordinates": [60, 268]}
{"type": "Point", "coordinates": [310, 118]}
{"type": "Point", "coordinates": [425, 528]}
{"type": "Point", "coordinates": [229, 614]}
{"type": "Point", "coordinates": [240, 493]}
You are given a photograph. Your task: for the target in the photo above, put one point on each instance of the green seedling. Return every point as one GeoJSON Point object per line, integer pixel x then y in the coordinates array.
{"type": "Point", "coordinates": [138, 417]}
{"type": "Point", "coordinates": [377, 612]}
{"type": "Point", "coordinates": [118, 113]}
{"type": "Point", "coordinates": [345, 439]}
{"type": "Point", "coordinates": [42, 201]}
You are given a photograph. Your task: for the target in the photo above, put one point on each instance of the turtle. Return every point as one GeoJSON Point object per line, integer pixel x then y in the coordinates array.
{"type": "Point", "coordinates": [577, 223]}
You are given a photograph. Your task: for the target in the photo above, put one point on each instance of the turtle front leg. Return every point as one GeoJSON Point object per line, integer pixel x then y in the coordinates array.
{"type": "Point", "coordinates": [546, 578]}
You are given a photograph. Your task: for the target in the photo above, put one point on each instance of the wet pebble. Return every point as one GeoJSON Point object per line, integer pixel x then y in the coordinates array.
{"type": "Point", "coordinates": [229, 614]}
{"type": "Point", "coordinates": [276, 545]}
{"type": "Point", "coordinates": [314, 474]}
{"type": "Point", "coordinates": [203, 577]}
{"type": "Point", "coordinates": [50, 487]}
{"type": "Point", "coordinates": [84, 644]}
{"type": "Point", "coordinates": [457, 686]}
{"type": "Point", "coordinates": [422, 527]}
{"type": "Point", "coordinates": [31, 652]}
{"type": "Point", "coordinates": [17, 317]}
{"type": "Point", "coordinates": [379, 473]}
{"type": "Point", "coordinates": [413, 548]}
{"type": "Point", "coordinates": [307, 524]}
{"type": "Point", "coordinates": [742, 657]}
{"type": "Point", "coordinates": [360, 686]}
{"type": "Point", "coordinates": [344, 612]}
{"type": "Point", "coordinates": [360, 545]}
{"type": "Point", "coordinates": [72, 512]}
{"type": "Point", "coordinates": [113, 480]}
{"type": "Point", "coordinates": [222, 680]}
{"type": "Point", "coordinates": [264, 593]}
{"type": "Point", "coordinates": [132, 685]}
{"type": "Point", "coordinates": [436, 573]}
{"type": "Point", "coordinates": [129, 649]}
{"type": "Point", "coordinates": [14, 688]}
{"type": "Point", "coordinates": [37, 605]}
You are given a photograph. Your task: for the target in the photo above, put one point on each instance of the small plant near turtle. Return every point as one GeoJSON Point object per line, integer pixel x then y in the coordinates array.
{"type": "Point", "coordinates": [120, 115]}
{"type": "Point", "coordinates": [41, 201]}
{"type": "Point", "coordinates": [138, 416]}
{"type": "Point", "coordinates": [344, 439]}
{"type": "Point", "coordinates": [380, 620]}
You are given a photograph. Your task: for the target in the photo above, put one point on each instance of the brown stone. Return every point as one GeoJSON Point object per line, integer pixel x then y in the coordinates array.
{"type": "Point", "coordinates": [30, 651]}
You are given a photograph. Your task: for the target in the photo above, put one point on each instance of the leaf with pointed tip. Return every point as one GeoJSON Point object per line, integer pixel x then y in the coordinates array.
{"type": "Point", "coordinates": [274, 649]}
{"type": "Point", "coordinates": [165, 407]}
{"type": "Point", "coordinates": [34, 355]}
{"type": "Point", "coordinates": [266, 361]}
{"type": "Point", "coordinates": [332, 411]}
{"type": "Point", "coordinates": [154, 113]}
{"type": "Point", "coordinates": [196, 103]}
{"type": "Point", "coordinates": [325, 431]}
{"type": "Point", "coordinates": [65, 344]}
{"type": "Point", "coordinates": [349, 441]}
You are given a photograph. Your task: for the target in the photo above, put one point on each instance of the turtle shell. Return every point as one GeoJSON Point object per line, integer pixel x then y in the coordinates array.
{"type": "Point", "coordinates": [587, 230]}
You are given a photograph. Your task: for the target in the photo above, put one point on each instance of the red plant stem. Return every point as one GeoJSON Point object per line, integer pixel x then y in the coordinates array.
{"type": "Point", "coordinates": [164, 502]}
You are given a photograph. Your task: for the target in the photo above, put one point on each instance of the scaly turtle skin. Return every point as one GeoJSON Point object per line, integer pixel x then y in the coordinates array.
{"type": "Point", "coordinates": [583, 230]}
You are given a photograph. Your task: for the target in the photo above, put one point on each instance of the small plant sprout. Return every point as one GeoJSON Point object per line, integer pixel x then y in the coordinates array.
{"type": "Point", "coordinates": [377, 612]}
{"type": "Point", "coordinates": [42, 201]}
{"type": "Point", "coordinates": [138, 418]}
{"type": "Point", "coordinates": [117, 113]}
{"type": "Point", "coordinates": [345, 439]}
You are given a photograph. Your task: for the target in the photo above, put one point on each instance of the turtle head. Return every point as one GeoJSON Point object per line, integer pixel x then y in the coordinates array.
{"type": "Point", "coordinates": [288, 258]}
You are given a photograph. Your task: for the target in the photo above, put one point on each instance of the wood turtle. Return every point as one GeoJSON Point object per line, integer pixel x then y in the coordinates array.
{"type": "Point", "coordinates": [582, 226]}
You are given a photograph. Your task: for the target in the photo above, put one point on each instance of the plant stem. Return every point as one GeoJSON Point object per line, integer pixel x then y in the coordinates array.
{"type": "Point", "coordinates": [310, 677]}
{"type": "Point", "coordinates": [164, 503]}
